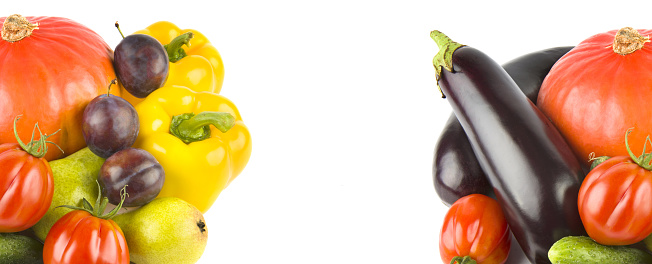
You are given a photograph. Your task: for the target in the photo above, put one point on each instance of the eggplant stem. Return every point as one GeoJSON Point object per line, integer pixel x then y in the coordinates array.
{"type": "Point", "coordinates": [444, 58]}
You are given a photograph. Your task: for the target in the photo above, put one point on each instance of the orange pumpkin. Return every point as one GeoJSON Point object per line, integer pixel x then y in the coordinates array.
{"type": "Point", "coordinates": [50, 68]}
{"type": "Point", "coordinates": [599, 90]}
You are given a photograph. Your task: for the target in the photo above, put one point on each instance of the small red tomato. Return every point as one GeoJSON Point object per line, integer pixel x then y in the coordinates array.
{"type": "Point", "coordinates": [86, 236]}
{"type": "Point", "coordinates": [26, 184]}
{"type": "Point", "coordinates": [475, 227]}
{"type": "Point", "coordinates": [615, 200]}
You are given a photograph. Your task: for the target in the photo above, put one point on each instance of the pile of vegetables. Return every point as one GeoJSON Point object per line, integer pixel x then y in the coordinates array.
{"type": "Point", "coordinates": [550, 139]}
{"type": "Point", "coordinates": [142, 127]}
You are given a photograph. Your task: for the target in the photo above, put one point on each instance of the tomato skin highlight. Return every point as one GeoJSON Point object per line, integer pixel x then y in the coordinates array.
{"type": "Point", "coordinates": [615, 202]}
{"type": "Point", "coordinates": [26, 188]}
{"type": "Point", "coordinates": [79, 237]}
{"type": "Point", "coordinates": [475, 226]}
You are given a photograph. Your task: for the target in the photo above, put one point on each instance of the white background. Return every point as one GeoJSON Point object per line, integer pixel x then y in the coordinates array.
{"type": "Point", "coordinates": [341, 100]}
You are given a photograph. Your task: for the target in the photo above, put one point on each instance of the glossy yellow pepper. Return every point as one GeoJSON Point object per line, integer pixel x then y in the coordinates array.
{"type": "Point", "coordinates": [184, 131]}
{"type": "Point", "coordinates": [194, 61]}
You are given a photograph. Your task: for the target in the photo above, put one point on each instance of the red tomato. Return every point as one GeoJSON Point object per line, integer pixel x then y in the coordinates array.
{"type": "Point", "coordinates": [475, 226]}
{"type": "Point", "coordinates": [79, 237]}
{"type": "Point", "coordinates": [26, 188]}
{"type": "Point", "coordinates": [615, 202]}
{"type": "Point", "coordinates": [593, 94]}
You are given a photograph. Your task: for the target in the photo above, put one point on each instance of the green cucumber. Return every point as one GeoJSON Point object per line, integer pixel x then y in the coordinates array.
{"type": "Point", "coordinates": [19, 249]}
{"type": "Point", "coordinates": [582, 249]}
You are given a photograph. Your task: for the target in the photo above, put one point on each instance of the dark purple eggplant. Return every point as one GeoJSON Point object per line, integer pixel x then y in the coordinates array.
{"type": "Point", "coordinates": [535, 176]}
{"type": "Point", "coordinates": [456, 171]}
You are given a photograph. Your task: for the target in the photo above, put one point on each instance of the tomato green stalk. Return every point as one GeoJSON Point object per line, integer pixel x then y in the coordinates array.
{"type": "Point", "coordinates": [35, 148]}
{"type": "Point", "coordinates": [645, 160]}
{"type": "Point", "coordinates": [595, 161]}
{"type": "Point", "coordinates": [100, 205]}
{"type": "Point", "coordinates": [463, 260]}
{"type": "Point", "coordinates": [191, 128]}
{"type": "Point", "coordinates": [174, 50]}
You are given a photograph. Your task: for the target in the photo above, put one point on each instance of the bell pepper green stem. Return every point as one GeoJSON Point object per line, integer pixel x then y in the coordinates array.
{"type": "Point", "coordinates": [191, 128]}
{"type": "Point", "coordinates": [174, 50]}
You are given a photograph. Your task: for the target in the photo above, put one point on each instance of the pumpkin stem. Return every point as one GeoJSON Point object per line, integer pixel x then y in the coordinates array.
{"type": "Point", "coordinates": [16, 27]}
{"type": "Point", "coordinates": [628, 40]}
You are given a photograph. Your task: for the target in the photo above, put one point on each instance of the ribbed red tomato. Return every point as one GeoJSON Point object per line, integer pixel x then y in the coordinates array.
{"type": "Point", "coordinates": [615, 200]}
{"type": "Point", "coordinates": [50, 76]}
{"type": "Point", "coordinates": [599, 89]}
{"type": "Point", "coordinates": [26, 184]}
{"type": "Point", "coordinates": [87, 235]}
{"type": "Point", "coordinates": [80, 237]}
{"type": "Point", "coordinates": [475, 227]}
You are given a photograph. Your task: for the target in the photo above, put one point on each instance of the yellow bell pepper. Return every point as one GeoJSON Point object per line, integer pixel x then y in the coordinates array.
{"type": "Point", "coordinates": [198, 138]}
{"type": "Point", "coordinates": [194, 61]}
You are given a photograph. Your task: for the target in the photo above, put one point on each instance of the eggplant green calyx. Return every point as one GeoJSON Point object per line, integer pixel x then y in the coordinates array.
{"type": "Point", "coordinates": [463, 260]}
{"type": "Point", "coordinates": [444, 58]}
{"type": "Point", "coordinates": [36, 148]}
{"type": "Point", "coordinates": [100, 204]}
{"type": "Point", "coordinates": [191, 128]}
{"type": "Point", "coordinates": [174, 50]}
{"type": "Point", "coordinates": [646, 158]}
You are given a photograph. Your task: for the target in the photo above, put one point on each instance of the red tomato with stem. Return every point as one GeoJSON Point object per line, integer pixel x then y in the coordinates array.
{"type": "Point", "coordinates": [26, 184]}
{"type": "Point", "coordinates": [475, 228]}
{"type": "Point", "coordinates": [87, 236]}
{"type": "Point", "coordinates": [615, 199]}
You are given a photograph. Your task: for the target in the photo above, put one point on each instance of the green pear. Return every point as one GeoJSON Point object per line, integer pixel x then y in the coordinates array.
{"type": "Point", "coordinates": [19, 249]}
{"type": "Point", "coordinates": [75, 178]}
{"type": "Point", "coordinates": [166, 230]}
